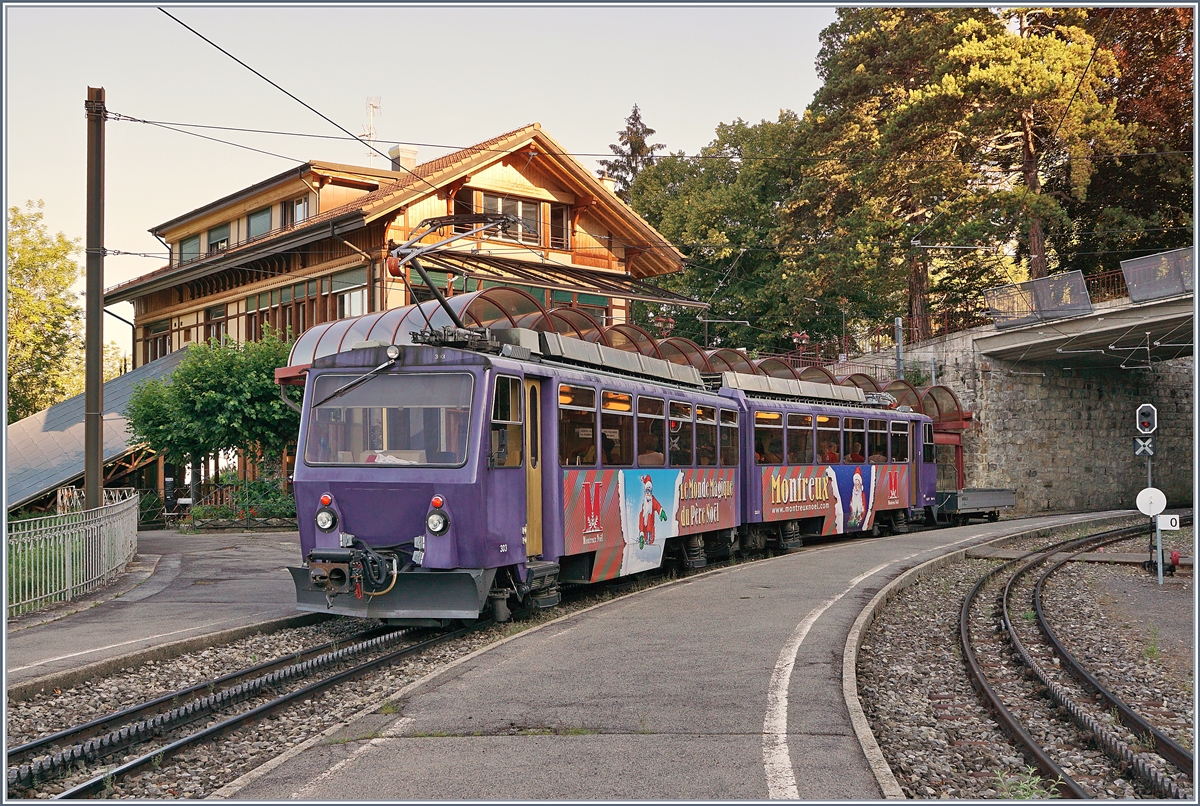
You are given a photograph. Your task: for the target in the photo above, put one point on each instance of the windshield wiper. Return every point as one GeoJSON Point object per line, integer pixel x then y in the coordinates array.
{"type": "Point", "coordinates": [343, 389]}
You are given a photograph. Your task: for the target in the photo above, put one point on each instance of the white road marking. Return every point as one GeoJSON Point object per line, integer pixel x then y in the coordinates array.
{"type": "Point", "coordinates": [777, 759]}
{"type": "Point", "coordinates": [113, 646]}
{"type": "Point", "coordinates": [394, 732]}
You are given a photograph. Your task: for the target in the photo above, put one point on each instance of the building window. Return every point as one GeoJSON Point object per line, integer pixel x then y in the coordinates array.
{"type": "Point", "coordinates": [350, 291]}
{"type": "Point", "coordinates": [214, 323]}
{"type": "Point", "coordinates": [189, 249]}
{"type": "Point", "coordinates": [294, 211]}
{"type": "Point", "coordinates": [560, 226]}
{"type": "Point", "coordinates": [158, 340]}
{"type": "Point", "coordinates": [528, 212]}
{"type": "Point", "coordinates": [464, 204]}
{"type": "Point", "coordinates": [218, 238]}
{"type": "Point", "coordinates": [258, 224]}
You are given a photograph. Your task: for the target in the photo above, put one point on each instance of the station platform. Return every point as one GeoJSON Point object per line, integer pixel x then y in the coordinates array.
{"type": "Point", "coordinates": [723, 685]}
{"type": "Point", "coordinates": [182, 592]}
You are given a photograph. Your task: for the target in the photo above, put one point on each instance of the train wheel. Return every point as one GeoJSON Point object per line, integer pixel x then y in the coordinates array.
{"type": "Point", "coordinates": [994, 516]}
{"type": "Point", "coordinates": [875, 530]}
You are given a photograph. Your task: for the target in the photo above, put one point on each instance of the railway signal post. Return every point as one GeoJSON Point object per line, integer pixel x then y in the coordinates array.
{"type": "Point", "coordinates": [1146, 422]}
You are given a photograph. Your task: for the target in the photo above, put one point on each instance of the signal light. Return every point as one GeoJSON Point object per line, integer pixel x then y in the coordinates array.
{"type": "Point", "coordinates": [1147, 419]}
{"type": "Point", "coordinates": [438, 502]}
{"type": "Point", "coordinates": [326, 500]}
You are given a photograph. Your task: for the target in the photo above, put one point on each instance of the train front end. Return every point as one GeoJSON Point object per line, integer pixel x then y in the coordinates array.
{"type": "Point", "coordinates": [387, 482]}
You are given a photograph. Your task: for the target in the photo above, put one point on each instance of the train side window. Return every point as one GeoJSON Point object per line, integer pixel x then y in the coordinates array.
{"type": "Point", "coordinates": [681, 434]}
{"type": "Point", "coordinates": [799, 439]}
{"type": "Point", "coordinates": [899, 441]}
{"type": "Point", "coordinates": [854, 437]}
{"type": "Point", "coordinates": [828, 439]}
{"type": "Point", "coordinates": [535, 433]}
{"type": "Point", "coordinates": [616, 429]}
{"type": "Point", "coordinates": [877, 441]}
{"type": "Point", "coordinates": [651, 431]}
{"type": "Point", "coordinates": [706, 436]}
{"type": "Point", "coordinates": [576, 425]}
{"type": "Point", "coordinates": [508, 437]}
{"type": "Point", "coordinates": [729, 438]}
{"type": "Point", "coordinates": [928, 450]}
{"type": "Point", "coordinates": [768, 437]}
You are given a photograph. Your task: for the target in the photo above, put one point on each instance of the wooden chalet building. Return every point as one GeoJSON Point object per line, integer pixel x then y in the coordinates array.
{"type": "Point", "coordinates": [309, 245]}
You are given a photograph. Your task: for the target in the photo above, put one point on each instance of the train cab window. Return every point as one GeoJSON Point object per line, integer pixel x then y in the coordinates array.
{"type": "Point", "coordinates": [706, 436]}
{"type": "Point", "coordinates": [508, 436]}
{"type": "Point", "coordinates": [799, 439]}
{"type": "Point", "coordinates": [651, 431]}
{"type": "Point", "coordinates": [854, 439]}
{"type": "Point", "coordinates": [576, 426]}
{"type": "Point", "coordinates": [729, 438]}
{"type": "Point", "coordinates": [828, 439]}
{"type": "Point", "coordinates": [390, 420]}
{"type": "Point", "coordinates": [768, 437]}
{"type": "Point", "coordinates": [680, 440]}
{"type": "Point", "coordinates": [616, 429]}
{"type": "Point", "coordinates": [899, 441]}
{"type": "Point", "coordinates": [877, 441]}
{"type": "Point", "coordinates": [928, 451]}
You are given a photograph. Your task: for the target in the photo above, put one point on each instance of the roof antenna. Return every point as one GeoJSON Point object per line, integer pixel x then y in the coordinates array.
{"type": "Point", "coordinates": [374, 110]}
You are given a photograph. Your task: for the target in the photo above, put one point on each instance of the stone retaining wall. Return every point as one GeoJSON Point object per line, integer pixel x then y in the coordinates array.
{"type": "Point", "coordinates": [1063, 438]}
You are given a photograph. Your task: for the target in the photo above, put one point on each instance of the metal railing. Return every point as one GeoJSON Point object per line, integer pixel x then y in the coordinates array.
{"type": "Point", "coordinates": [260, 504]}
{"type": "Point", "coordinates": [59, 557]}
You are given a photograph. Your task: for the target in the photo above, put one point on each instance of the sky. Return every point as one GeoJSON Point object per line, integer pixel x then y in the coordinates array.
{"type": "Point", "coordinates": [446, 76]}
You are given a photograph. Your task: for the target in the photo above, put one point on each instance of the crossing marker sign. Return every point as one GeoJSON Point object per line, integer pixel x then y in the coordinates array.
{"type": "Point", "coordinates": [1143, 446]}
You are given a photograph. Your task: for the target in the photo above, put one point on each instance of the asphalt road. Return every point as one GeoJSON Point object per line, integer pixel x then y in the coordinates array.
{"type": "Point", "coordinates": [192, 585]}
{"type": "Point", "coordinates": [726, 685]}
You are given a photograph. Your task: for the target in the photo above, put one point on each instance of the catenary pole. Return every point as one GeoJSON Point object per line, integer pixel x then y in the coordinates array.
{"type": "Point", "coordinates": [93, 421]}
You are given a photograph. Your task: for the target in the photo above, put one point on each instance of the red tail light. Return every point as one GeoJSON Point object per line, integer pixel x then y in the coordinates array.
{"type": "Point", "coordinates": [437, 502]}
{"type": "Point", "coordinates": [326, 500]}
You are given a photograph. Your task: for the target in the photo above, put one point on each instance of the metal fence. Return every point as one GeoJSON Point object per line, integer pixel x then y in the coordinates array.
{"type": "Point", "coordinates": [59, 557]}
{"type": "Point", "coordinates": [1167, 274]}
{"type": "Point", "coordinates": [1055, 297]}
{"type": "Point", "coordinates": [260, 504]}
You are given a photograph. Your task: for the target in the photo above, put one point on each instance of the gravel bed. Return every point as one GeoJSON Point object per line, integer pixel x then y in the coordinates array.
{"type": "Point", "coordinates": [200, 771]}
{"type": "Point", "coordinates": [933, 729]}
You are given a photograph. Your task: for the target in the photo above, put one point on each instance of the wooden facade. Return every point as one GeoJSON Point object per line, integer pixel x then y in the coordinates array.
{"type": "Point", "coordinates": [309, 245]}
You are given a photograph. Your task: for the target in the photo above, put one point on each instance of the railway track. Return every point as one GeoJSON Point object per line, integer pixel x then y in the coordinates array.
{"type": "Point", "coordinates": [88, 745]}
{"type": "Point", "coordinates": [1028, 677]}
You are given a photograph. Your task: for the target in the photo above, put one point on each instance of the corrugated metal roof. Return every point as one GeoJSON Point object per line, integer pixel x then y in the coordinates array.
{"type": "Point", "coordinates": [45, 450]}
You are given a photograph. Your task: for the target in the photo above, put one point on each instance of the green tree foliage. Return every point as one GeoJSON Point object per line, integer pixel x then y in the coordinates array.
{"type": "Point", "coordinates": [720, 210]}
{"type": "Point", "coordinates": [45, 325]}
{"type": "Point", "coordinates": [633, 152]}
{"type": "Point", "coordinates": [1140, 204]}
{"type": "Point", "coordinates": [222, 396]}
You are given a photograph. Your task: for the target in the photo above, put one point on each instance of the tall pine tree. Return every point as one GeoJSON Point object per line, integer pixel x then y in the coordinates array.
{"type": "Point", "coordinates": [633, 152]}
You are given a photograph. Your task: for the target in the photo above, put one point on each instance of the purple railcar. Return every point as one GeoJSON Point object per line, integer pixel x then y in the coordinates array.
{"type": "Point", "coordinates": [478, 471]}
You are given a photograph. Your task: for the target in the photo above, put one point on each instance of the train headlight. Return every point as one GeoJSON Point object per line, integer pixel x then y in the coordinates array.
{"type": "Point", "coordinates": [437, 522]}
{"type": "Point", "coordinates": [326, 519]}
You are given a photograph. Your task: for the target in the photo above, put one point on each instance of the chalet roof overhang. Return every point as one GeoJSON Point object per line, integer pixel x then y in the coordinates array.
{"type": "Point", "coordinates": [348, 175]}
{"type": "Point", "coordinates": [552, 276]}
{"type": "Point", "coordinates": [171, 276]}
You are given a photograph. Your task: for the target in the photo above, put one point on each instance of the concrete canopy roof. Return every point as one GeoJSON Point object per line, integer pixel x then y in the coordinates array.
{"type": "Point", "coordinates": [45, 450]}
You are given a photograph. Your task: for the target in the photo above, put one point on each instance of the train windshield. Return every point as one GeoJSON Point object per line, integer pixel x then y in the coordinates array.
{"type": "Point", "coordinates": [390, 420]}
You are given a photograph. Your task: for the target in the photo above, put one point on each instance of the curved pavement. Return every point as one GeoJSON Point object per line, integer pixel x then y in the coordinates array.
{"type": "Point", "coordinates": [725, 685]}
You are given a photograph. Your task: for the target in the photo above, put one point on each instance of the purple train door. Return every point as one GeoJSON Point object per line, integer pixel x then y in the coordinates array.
{"type": "Point", "coordinates": [533, 469]}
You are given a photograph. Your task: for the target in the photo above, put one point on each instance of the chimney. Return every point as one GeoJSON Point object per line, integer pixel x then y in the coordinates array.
{"type": "Point", "coordinates": [403, 158]}
{"type": "Point", "coordinates": [609, 182]}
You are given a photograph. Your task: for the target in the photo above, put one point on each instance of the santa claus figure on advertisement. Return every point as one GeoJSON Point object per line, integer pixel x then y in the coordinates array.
{"type": "Point", "coordinates": [651, 510]}
{"type": "Point", "coordinates": [858, 504]}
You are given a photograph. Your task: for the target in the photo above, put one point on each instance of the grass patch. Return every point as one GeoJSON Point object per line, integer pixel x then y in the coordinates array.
{"type": "Point", "coordinates": [389, 708]}
{"type": "Point", "coordinates": [1027, 785]}
{"type": "Point", "coordinates": [1152, 651]}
